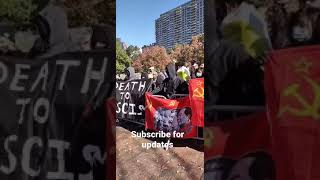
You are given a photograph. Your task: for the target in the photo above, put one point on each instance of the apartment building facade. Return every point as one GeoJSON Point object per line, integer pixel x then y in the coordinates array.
{"type": "Point", "coordinates": [178, 25]}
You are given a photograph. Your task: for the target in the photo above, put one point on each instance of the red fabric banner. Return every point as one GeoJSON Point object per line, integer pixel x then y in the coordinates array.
{"type": "Point", "coordinates": [169, 115]}
{"type": "Point", "coordinates": [292, 81]}
{"type": "Point", "coordinates": [235, 138]}
{"type": "Point", "coordinates": [111, 138]}
{"type": "Point", "coordinates": [196, 90]}
{"type": "Point", "coordinates": [234, 148]}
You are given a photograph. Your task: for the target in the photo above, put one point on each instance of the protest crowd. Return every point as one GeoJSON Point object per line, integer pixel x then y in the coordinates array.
{"type": "Point", "coordinates": [47, 32]}
{"type": "Point", "coordinates": [243, 35]}
{"type": "Point", "coordinates": [173, 80]}
{"type": "Point", "coordinates": [262, 80]}
{"type": "Point", "coordinates": [166, 98]}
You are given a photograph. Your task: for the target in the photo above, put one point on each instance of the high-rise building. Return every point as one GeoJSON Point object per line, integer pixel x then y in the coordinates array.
{"type": "Point", "coordinates": [178, 25]}
{"type": "Point", "coordinates": [123, 44]}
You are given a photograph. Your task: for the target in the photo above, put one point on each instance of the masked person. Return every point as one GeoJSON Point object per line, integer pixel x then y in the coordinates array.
{"type": "Point", "coordinates": [194, 68]}
{"type": "Point", "coordinates": [174, 84]}
{"type": "Point", "coordinates": [52, 23]}
{"type": "Point", "coordinates": [103, 37]}
{"type": "Point", "coordinates": [301, 31]}
{"type": "Point", "coordinates": [130, 74]}
{"type": "Point", "coordinates": [144, 75]}
{"type": "Point", "coordinates": [278, 25]}
{"type": "Point", "coordinates": [158, 85]}
{"type": "Point", "coordinates": [233, 74]}
{"type": "Point", "coordinates": [199, 72]}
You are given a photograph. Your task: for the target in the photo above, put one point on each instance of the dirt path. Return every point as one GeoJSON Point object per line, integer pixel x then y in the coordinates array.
{"type": "Point", "coordinates": [135, 162]}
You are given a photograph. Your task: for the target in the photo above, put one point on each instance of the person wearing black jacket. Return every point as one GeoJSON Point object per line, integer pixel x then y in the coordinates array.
{"type": "Point", "coordinates": [174, 84]}
{"type": "Point", "coordinates": [158, 85]}
{"type": "Point", "coordinates": [130, 73]}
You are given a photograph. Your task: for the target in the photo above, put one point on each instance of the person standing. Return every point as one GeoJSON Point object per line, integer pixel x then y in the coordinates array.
{"type": "Point", "coordinates": [52, 24]}
{"type": "Point", "coordinates": [184, 71]}
{"type": "Point", "coordinates": [193, 70]}
{"type": "Point", "coordinates": [199, 72]}
{"type": "Point", "coordinates": [174, 84]}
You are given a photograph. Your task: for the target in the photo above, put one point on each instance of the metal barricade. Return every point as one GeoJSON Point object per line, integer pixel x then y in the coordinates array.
{"type": "Point", "coordinates": [160, 96]}
{"type": "Point", "coordinates": [175, 96]}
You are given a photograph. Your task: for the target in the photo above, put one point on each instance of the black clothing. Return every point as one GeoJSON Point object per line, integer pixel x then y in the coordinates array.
{"type": "Point", "coordinates": [232, 77]}
{"type": "Point", "coordinates": [174, 84]}
{"type": "Point", "coordinates": [131, 74]}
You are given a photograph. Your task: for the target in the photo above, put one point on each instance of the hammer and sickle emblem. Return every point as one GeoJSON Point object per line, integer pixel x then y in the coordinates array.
{"type": "Point", "coordinates": [309, 109]}
{"type": "Point", "coordinates": [198, 92]}
{"type": "Point", "coordinates": [172, 103]}
{"type": "Point", "coordinates": [149, 104]}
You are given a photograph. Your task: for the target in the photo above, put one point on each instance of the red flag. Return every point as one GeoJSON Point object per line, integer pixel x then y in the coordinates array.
{"type": "Point", "coordinates": [196, 90]}
{"type": "Point", "coordinates": [292, 81]}
{"type": "Point", "coordinates": [111, 138]}
{"type": "Point", "coordinates": [233, 148]}
{"type": "Point", "coordinates": [169, 115]}
{"type": "Point", "coordinates": [235, 138]}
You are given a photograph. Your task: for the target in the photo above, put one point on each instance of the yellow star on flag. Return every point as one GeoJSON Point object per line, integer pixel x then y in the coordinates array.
{"type": "Point", "coordinates": [303, 66]}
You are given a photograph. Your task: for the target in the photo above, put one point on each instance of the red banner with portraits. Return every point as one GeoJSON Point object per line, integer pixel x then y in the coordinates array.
{"type": "Point", "coordinates": [169, 115]}
{"type": "Point", "coordinates": [239, 149]}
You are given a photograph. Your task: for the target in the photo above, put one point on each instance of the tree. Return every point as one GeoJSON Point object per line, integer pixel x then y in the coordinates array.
{"type": "Point", "coordinates": [122, 59]}
{"type": "Point", "coordinates": [155, 56]}
{"type": "Point", "coordinates": [17, 11]}
{"type": "Point", "coordinates": [93, 12]}
{"type": "Point", "coordinates": [189, 52]}
{"type": "Point", "coordinates": [181, 53]}
{"type": "Point", "coordinates": [133, 51]}
{"type": "Point", "coordinates": [197, 45]}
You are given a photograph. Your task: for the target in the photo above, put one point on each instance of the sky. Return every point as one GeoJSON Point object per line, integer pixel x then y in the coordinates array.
{"type": "Point", "coordinates": [136, 19]}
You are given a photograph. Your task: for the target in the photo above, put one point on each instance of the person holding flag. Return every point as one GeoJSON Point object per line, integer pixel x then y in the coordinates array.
{"type": "Point", "coordinates": [184, 71]}
{"type": "Point", "coordinates": [246, 26]}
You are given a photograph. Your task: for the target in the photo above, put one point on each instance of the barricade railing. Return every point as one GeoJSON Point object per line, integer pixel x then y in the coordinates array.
{"type": "Point", "coordinates": [174, 96]}
{"type": "Point", "coordinates": [199, 129]}
{"type": "Point", "coordinates": [160, 96]}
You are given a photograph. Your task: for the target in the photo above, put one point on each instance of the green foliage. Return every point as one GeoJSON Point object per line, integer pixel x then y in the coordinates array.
{"type": "Point", "coordinates": [122, 59]}
{"type": "Point", "coordinates": [133, 51]}
{"type": "Point", "coordinates": [17, 11]}
{"type": "Point", "coordinates": [90, 12]}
